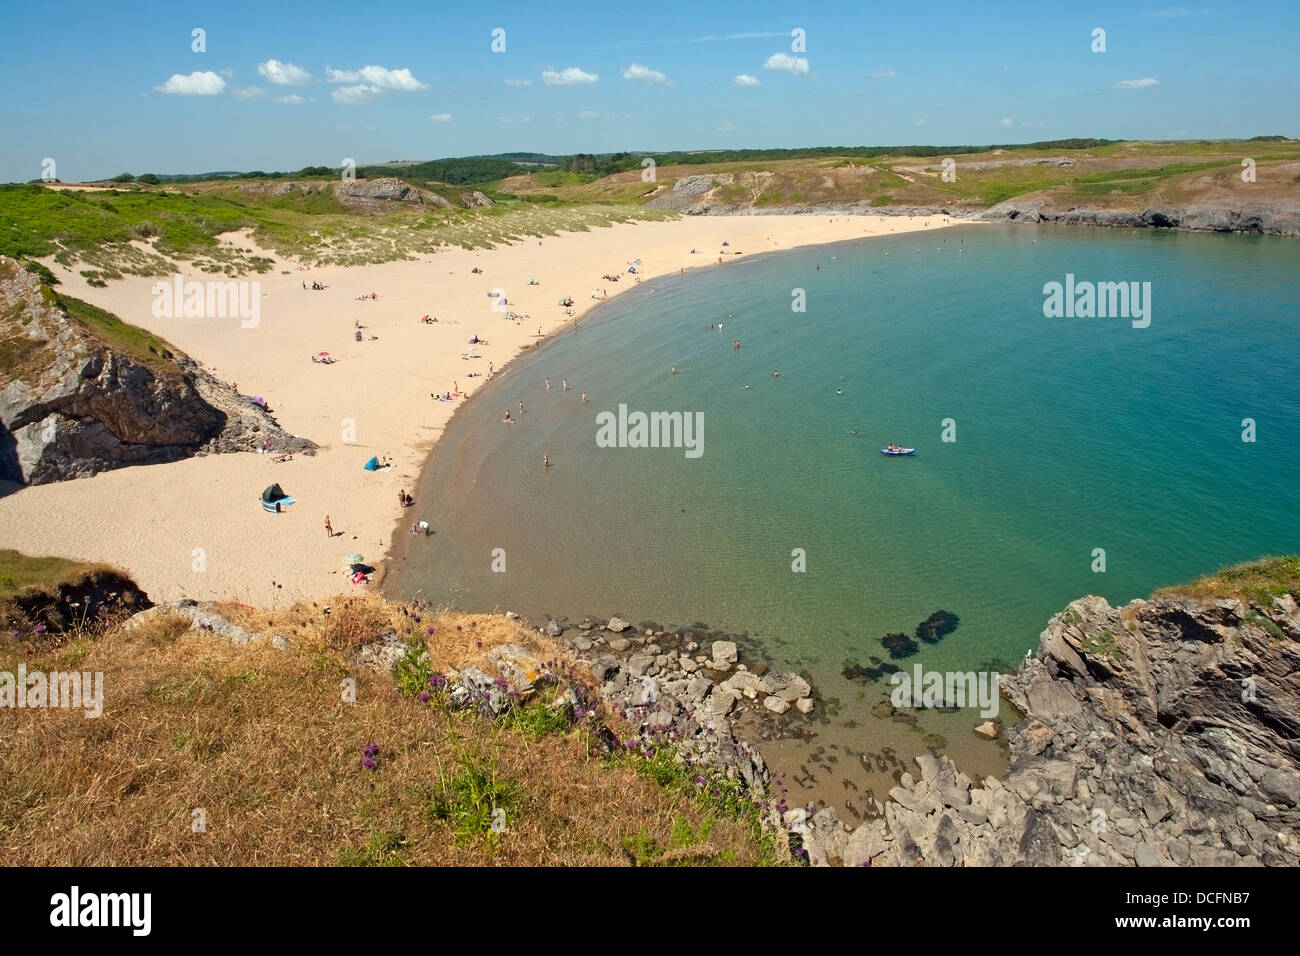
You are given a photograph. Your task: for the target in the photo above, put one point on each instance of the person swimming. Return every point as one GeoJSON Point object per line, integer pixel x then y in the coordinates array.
{"type": "Point", "coordinates": [776, 373]}
{"type": "Point", "coordinates": [546, 461]}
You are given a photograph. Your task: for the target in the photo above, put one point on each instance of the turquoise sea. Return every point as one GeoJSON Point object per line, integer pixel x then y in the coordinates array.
{"type": "Point", "coordinates": [1072, 434]}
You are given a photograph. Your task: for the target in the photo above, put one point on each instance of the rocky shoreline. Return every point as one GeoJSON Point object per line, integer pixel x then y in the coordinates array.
{"type": "Point", "coordinates": [1161, 733]}
{"type": "Point", "coordinates": [699, 196]}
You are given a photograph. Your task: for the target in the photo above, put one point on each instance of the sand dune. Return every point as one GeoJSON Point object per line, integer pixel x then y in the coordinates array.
{"type": "Point", "coordinates": [195, 528]}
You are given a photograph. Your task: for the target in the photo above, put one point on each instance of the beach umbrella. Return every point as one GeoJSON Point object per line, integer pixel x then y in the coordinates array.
{"type": "Point", "coordinates": [353, 559]}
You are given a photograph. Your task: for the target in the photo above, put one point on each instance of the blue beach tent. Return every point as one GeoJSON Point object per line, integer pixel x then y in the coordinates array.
{"type": "Point", "coordinates": [274, 499]}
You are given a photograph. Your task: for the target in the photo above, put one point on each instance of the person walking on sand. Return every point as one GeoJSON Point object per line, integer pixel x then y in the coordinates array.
{"type": "Point", "coordinates": [584, 398]}
{"type": "Point", "coordinates": [521, 408]}
{"type": "Point", "coordinates": [548, 384]}
{"type": "Point", "coordinates": [329, 528]}
{"type": "Point", "coordinates": [564, 384]}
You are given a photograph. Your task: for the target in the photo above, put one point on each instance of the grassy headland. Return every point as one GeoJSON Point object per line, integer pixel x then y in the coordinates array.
{"type": "Point", "coordinates": [145, 225]}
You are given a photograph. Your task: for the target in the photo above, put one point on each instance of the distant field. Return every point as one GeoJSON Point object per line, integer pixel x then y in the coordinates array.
{"type": "Point", "coordinates": [1115, 173]}
{"type": "Point", "coordinates": [145, 229]}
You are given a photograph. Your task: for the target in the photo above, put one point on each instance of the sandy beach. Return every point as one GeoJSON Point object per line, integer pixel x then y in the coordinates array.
{"type": "Point", "coordinates": [196, 528]}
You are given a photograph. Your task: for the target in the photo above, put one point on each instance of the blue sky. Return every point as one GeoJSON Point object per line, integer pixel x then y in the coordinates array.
{"type": "Point", "coordinates": [419, 80]}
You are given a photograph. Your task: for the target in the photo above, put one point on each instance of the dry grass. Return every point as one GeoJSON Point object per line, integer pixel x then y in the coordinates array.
{"type": "Point", "coordinates": [263, 743]}
{"type": "Point", "coordinates": [1258, 581]}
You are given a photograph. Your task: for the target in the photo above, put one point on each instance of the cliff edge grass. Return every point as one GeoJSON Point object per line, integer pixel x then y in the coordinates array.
{"type": "Point", "coordinates": [226, 747]}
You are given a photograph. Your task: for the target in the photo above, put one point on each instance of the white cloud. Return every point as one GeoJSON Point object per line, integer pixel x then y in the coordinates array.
{"type": "Point", "coordinates": [588, 114]}
{"type": "Point", "coordinates": [206, 83]}
{"type": "Point", "coordinates": [1137, 84]}
{"type": "Point", "coordinates": [247, 92]}
{"type": "Point", "coordinates": [378, 77]}
{"type": "Point", "coordinates": [735, 36]}
{"type": "Point", "coordinates": [882, 74]}
{"type": "Point", "coordinates": [570, 76]}
{"type": "Point", "coordinates": [643, 73]}
{"type": "Point", "coordinates": [441, 117]}
{"type": "Point", "coordinates": [920, 122]}
{"type": "Point", "coordinates": [291, 100]}
{"type": "Point", "coordinates": [1005, 122]}
{"type": "Point", "coordinates": [744, 79]}
{"type": "Point", "coordinates": [785, 63]}
{"type": "Point", "coordinates": [515, 119]}
{"type": "Point", "coordinates": [725, 127]}
{"type": "Point", "coordinates": [284, 74]}
{"type": "Point", "coordinates": [355, 94]}
{"type": "Point", "coordinates": [514, 82]}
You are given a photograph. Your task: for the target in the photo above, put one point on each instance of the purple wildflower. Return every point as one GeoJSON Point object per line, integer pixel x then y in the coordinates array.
{"type": "Point", "coordinates": [368, 764]}
{"type": "Point", "coordinates": [424, 697]}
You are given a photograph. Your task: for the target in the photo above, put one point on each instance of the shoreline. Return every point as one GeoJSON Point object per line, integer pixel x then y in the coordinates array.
{"type": "Point", "coordinates": [205, 537]}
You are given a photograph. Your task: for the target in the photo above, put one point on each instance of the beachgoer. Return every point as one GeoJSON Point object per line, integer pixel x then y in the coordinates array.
{"type": "Point", "coordinates": [584, 398]}
{"type": "Point", "coordinates": [673, 370]}
{"type": "Point", "coordinates": [329, 528]}
{"type": "Point", "coordinates": [564, 384]}
{"type": "Point", "coordinates": [507, 418]}
{"type": "Point", "coordinates": [546, 461]}
{"type": "Point", "coordinates": [548, 384]}
{"type": "Point", "coordinates": [521, 408]}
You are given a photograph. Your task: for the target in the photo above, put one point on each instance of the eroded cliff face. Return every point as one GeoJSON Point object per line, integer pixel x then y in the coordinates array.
{"type": "Point", "coordinates": [73, 404]}
{"type": "Point", "coordinates": [1274, 217]}
{"type": "Point", "coordinates": [1165, 732]}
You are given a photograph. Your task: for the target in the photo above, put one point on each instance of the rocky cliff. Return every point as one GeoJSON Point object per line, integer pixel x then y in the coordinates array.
{"type": "Point", "coordinates": [1275, 217]}
{"type": "Point", "coordinates": [74, 402]}
{"type": "Point", "coordinates": [374, 195]}
{"type": "Point", "coordinates": [1165, 732]}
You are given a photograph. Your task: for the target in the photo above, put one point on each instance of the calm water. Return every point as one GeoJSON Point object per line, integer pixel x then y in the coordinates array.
{"type": "Point", "coordinates": [1071, 434]}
